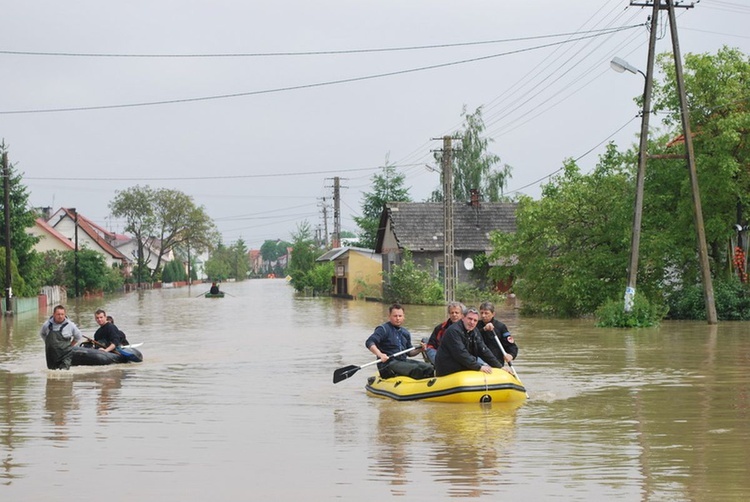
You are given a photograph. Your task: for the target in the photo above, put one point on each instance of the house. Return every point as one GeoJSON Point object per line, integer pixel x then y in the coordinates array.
{"type": "Point", "coordinates": [255, 261]}
{"type": "Point", "coordinates": [49, 238]}
{"type": "Point", "coordinates": [357, 272]}
{"type": "Point", "coordinates": [90, 235]}
{"type": "Point", "coordinates": [419, 228]}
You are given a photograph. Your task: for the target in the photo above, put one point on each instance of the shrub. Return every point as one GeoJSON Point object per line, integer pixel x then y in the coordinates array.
{"type": "Point", "coordinates": [643, 314]}
{"type": "Point", "coordinates": [732, 299]}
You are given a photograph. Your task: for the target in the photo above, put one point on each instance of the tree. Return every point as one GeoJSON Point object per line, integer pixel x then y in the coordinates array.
{"type": "Point", "coordinates": [570, 250]}
{"type": "Point", "coordinates": [164, 214]}
{"type": "Point", "coordinates": [304, 252]}
{"type": "Point", "coordinates": [94, 276]}
{"type": "Point", "coordinates": [474, 166]}
{"type": "Point", "coordinates": [718, 90]}
{"type": "Point", "coordinates": [22, 243]}
{"type": "Point", "coordinates": [136, 206]}
{"type": "Point", "coordinates": [239, 265]}
{"type": "Point", "coordinates": [179, 221]}
{"type": "Point", "coordinates": [218, 265]}
{"type": "Point", "coordinates": [387, 186]}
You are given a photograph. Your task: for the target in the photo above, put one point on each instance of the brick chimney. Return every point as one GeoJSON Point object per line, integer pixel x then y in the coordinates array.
{"type": "Point", "coordinates": [474, 197]}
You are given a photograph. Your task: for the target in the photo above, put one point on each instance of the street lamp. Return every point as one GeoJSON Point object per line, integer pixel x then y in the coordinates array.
{"type": "Point", "coordinates": [620, 65]}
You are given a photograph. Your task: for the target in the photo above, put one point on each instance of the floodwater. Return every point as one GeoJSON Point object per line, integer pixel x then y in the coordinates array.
{"type": "Point", "coordinates": [235, 401]}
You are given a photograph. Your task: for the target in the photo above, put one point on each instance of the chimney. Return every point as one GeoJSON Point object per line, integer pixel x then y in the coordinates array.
{"type": "Point", "coordinates": [474, 198]}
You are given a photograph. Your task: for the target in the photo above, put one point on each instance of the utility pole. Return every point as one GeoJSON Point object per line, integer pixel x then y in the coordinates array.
{"type": "Point", "coordinates": [75, 261]}
{"type": "Point", "coordinates": [448, 237]}
{"type": "Point", "coordinates": [336, 238]}
{"type": "Point", "coordinates": [324, 206]}
{"type": "Point", "coordinates": [6, 202]}
{"type": "Point", "coordinates": [708, 288]}
{"type": "Point", "coordinates": [635, 240]}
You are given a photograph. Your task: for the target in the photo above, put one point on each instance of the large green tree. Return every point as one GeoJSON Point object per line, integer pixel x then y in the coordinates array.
{"type": "Point", "coordinates": [387, 186]}
{"type": "Point", "coordinates": [718, 91]}
{"type": "Point", "coordinates": [474, 166]}
{"type": "Point", "coordinates": [165, 217]}
{"type": "Point", "coordinates": [570, 250]}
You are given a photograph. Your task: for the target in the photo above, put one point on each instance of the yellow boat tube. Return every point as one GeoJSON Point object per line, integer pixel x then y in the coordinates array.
{"type": "Point", "coordinates": [462, 387]}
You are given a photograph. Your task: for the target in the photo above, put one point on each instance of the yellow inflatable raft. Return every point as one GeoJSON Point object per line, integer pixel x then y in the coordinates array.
{"type": "Point", "coordinates": [462, 387]}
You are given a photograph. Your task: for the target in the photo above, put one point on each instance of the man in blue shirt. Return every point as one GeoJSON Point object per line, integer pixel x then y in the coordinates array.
{"type": "Point", "coordinates": [391, 337]}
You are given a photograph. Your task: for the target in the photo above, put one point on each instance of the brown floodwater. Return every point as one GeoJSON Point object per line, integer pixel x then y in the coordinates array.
{"type": "Point", "coordinates": [235, 401]}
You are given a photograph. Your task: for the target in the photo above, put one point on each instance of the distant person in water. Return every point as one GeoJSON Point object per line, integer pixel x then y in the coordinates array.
{"type": "Point", "coordinates": [60, 334]}
{"type": "Point", "coordinates": [214, 289]}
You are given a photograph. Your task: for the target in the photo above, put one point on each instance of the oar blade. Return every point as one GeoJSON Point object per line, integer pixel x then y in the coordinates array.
{"type": "Point", "coordinates": [345, 372]}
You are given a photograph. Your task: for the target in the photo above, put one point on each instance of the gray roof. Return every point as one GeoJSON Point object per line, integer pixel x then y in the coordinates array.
{"type": "Point", "coordinates": [418, 226]}
{"type": "Point", "coordinates": [335, 253]}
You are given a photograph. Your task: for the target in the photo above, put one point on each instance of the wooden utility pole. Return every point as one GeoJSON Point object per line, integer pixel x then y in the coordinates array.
{"type": "Point", "coordinates": [635, 240]}
{"type": "Point", "coordinates": [448, 237]}
{"type": "Point", "coordinates": [708, 288]}
{"type": "Point", "coordinates": [336, 240]}
{"type": "Point", "coordinates": [6, 202]}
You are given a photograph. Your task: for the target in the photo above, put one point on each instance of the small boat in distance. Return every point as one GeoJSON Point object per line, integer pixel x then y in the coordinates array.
{"type": "Point", "coordinates": [214, 295]}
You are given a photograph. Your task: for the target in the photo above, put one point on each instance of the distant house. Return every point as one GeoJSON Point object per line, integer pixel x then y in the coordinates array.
{"type": "Point", "coordinates": [255, 261]}
{"type": "Point", "coordinates": [356, 272]}
{"type": "Point", "coordinates": [49, 238]}
{"type": "Point", "coordinates": [419, 228]}
{"type": "Point", "coordinates": [90, 235]}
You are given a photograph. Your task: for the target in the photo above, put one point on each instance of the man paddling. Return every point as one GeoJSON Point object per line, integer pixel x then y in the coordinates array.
{"type": "Point", "coordinates": [391, 338]}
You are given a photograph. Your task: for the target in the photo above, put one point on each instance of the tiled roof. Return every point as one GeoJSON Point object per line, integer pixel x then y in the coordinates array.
{"type": "Point", "coordinates": [418, 226]}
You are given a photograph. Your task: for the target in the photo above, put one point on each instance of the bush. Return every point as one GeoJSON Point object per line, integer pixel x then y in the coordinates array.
{"type": "Point", "coordinates": [410, 284]}
{"type": "Point", "coordinates": [731, 296]}
{"type": "Point", "coordinates": [644, 314]}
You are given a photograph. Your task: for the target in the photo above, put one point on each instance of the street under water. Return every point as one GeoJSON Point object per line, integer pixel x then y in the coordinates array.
{"type": "Point", "coordinates": [235, 401]}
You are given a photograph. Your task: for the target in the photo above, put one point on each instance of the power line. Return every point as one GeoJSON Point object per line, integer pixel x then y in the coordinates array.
{"type": "Point", "coordinates": [305, 86]}
{"type": "Point", "coordinates": [294, 53]}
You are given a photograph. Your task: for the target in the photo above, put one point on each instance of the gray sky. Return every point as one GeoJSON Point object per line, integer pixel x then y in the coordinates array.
{"type": "Point", "coordinates": [262, 161]}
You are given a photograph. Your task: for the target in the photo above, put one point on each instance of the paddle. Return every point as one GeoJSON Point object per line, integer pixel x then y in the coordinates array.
{"type": "Point", "coordinates": [510, 364]}
{"type": "Point", "coordinates": [347, 371]}
{"type": "Point", "coordinates": [124, 353]}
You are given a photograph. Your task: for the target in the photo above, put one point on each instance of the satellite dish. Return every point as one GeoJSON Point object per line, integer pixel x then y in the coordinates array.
{"type": "Point", "coordinates": [468, 264]}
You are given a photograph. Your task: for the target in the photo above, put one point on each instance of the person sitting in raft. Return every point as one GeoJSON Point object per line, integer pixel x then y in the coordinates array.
{"type": "Point", "coordinates": [214, 289]}
{"type": "Point", "coordinates": [489, 328]}
{"type": "Point", "coordinates": [391, 337]}
{"type": "Point", "coordinates": [111, 320]}
{"type": "Point", "coordinates": [60, 334]}
{"type": "Point", "coordinates": [108, 337]}
{"type": "Point", "coordinates": [455, 313]}
{"type": "Point", "coordinates": [462, 348]}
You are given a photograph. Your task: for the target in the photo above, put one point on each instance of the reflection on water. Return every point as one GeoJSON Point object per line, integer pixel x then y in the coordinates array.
{"type": "Point", "coordinates": [234, 401]}
{"type": "Point", "coordinates": [458, 446]}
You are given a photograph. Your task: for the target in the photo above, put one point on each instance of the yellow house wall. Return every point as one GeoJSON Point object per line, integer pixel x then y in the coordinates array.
{"type": "Point", "coordinates": [360, 268]}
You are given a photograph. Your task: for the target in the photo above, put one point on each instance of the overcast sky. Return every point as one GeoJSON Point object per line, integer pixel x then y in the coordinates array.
{"type": "Point", "coordinates": [257, 128]}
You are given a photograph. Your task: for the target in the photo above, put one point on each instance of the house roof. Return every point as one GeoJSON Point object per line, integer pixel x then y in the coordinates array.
{"type": "Point", "coordinates": [338, 252]}
{"type": "Point", "coordinates": [418, 226]}
{"type": "Point", "coordinates": [96, 233]}
{"type": "Point", "coordinates": [41, 223]}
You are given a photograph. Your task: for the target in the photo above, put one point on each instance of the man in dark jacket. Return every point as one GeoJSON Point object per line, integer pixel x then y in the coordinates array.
{"type": "Point", "coordinates": [108, 337]}
{"type": "Point", "coordinates": [455, 313]}
{"type": "Point", "coordinates": [493, 330]}
{"type": "Point", "coordinates": [462, 348]}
